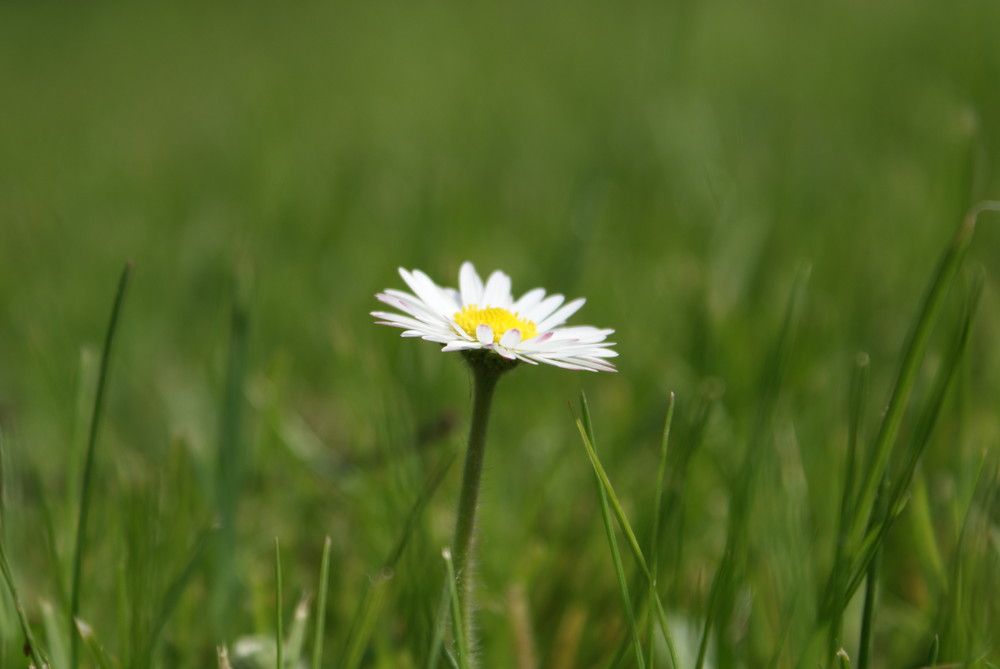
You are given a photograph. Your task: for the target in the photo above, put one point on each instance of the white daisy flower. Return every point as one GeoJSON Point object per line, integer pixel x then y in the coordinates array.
{"type": "Point", "coordinates": [486, 316]}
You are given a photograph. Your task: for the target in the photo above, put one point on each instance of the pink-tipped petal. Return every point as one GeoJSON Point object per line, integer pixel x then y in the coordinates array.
{"type": "Point", "coordinates": [484, 333]}
{"type": "Point", "coordinates": [510, 338]}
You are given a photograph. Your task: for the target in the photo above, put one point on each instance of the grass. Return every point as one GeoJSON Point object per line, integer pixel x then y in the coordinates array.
{"type": "Point", "coordinates": [829, 492]}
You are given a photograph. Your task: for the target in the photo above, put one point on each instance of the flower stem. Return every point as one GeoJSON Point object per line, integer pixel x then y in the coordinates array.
{"type": "Point", "coordinates": [485, 374]}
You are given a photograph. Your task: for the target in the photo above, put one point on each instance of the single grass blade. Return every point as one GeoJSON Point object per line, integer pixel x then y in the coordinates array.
{"type": "Point", "coordinates": [222, 655]}
{"type": "Point", "coordinates": [230, 462]}
{"type": "Point", "coordinates": [88, 468]}
{"type": "Point", "coordinates": [457, 619]}
{"type": "Point", "coordinates": [586, 430]}
{"type": "Point", "coordinates": [654, 551]}
{"type": "Point", "coordinates": [93, 645]}
{"type": "Point", "coordinates": [33, 650]}
{"type": "Point", "coordinates": [364, 620]}
{"type": "Point", "coordinates": [834, 599]}
{"type": "Point", "coordinates": [279, 630]}
{"type": "Point", "coordinates": [371, 604]}
{"type": "Point", "coordinates": [324, 580]}
{"type": "Point", "coordinates": [173, 595]}
{"type": "Point", "coordinates": [605, 483]}
{"type": "Point", "coordinates": [721, 574]}
{"type": "Point", "coordinates": [871, 585]}
{"type": "Point", "coordinates": [297, 633]}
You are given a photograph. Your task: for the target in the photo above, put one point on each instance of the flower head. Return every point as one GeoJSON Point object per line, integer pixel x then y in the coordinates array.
{"type": "Point", "coordinates": [486, 316]}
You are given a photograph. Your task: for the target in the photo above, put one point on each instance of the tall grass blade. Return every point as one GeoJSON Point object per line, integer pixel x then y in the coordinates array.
{"type": "Point", "coordinates": [913, 355]}
{"type": "Point", "coordinates": [88, 468]}
{"type": "Point", "coordinates": [896, 496]}
{"type": "Point", "coordinates": [871, 585]}
{"type": "Point", "coordinates": [93, 645]}
{"type": "Point", "coordinates": [856, 407]}
{"type": "Point", "coordinates": [457, 619]}
{"type": "Point", "coordinates": [587, 431]}
{"type": "Point", "coordinates": [222, 656]}
{"type": "Point", "coordinates": [230, 463]}
{"type": "Point", "coordinates": [279, 628]}
{"type": "Point", "coordinates": [612, 499]}
{"type": "Point", "coordinates": [730, 572]}
{"type": "Point", "coordinates": [33, 650]}
{"type": "Point", "coordinates": [364, 620]}
{"type": "Point", "coordinates": [371, 603]}
{"type": "Point", "coordinates": [654, 551]}
{"type": "Point", "coordinates": [324, 581]}
{"type": "Point", "coordinates": [297, 633]}
{"type": "Point", "coordinates": [173, 596]}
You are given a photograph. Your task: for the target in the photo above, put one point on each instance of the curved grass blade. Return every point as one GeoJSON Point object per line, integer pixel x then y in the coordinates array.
{"type": "Point", "coordinates": [173, 595]}
{"type": "Point", "coordinates": [371, 604]}
{"type": "Point", "coordinates": [457, 619]}
{"type": "Point", "coordinates": [324, 580]}
{"type": "Point", "coordinates": [623, 524]}
{"type": "Point", "coordinates": [93, 645]}
{"type": "Point", "coordinates": [587, 432]}
{"type": "Point", "coordinates": [85, 492]}
{"type": "Point", "coordinates": [654, 554]}
{"type": "Point", "coordinates": [913, 355]}
{"type": "Point", "coordinates": [279, 631]}
{"type": "Point", "coordinates": [34, 651]}
{"type": "Point", "coordinates": [896, 496]}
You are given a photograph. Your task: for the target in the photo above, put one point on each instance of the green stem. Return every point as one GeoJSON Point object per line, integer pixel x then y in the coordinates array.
{"type": "Point", "coordinates": [486, 371]}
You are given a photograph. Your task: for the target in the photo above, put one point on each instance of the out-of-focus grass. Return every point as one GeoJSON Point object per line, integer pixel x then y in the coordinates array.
{"type": "Point", "coordinates": [674, 163]}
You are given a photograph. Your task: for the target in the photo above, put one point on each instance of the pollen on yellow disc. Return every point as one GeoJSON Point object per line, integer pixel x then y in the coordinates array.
{"type": "Point", "coordinates": [500, 320]}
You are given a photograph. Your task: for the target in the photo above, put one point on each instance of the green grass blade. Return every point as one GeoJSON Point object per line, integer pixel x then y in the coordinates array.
{"type": "Point", "coordinates": [93, 645]}
{"type": "Point", "coordinates": [279, 630]}
{"type": "Point", "coordinates": [85, 491]}
{"type": "Point", "coordinates": [222, 655]}
{"type": "Point", "coordinates": [913, 355]}
{"type": "Point", "coordinates": [370, 605]}
{"type": "Point", "coordinates": [324, 580]}
{"type": "Point", "coordinates": [654, 552]}
{"type": "Point", "coordinates": [457, 619]}
{"type": "Point", "coordinates": [297, 633]}
{"type": "Point", "coordinates": [364, 620]}
{"type": "Point", "coordinates": [586, 431]}
{"type": "Point", "coordinates": [834, 599]}
{"type": "Point", "coordinates": [612, 498]}
{"type": "Point", "coordinates": [230, 463]}
{"type": "Point", "coordinates": [927, 419]}
{"type": "Point", "coordinates": [173, 595]}
{"type": "Point", "coordinates": [33, 650]}
{"type": "Point", "coordinates": [732, 566]}
{"type": "Point", "coordinates": [721, 575]}
{"type": "Point", "coordinates": [871, 586]}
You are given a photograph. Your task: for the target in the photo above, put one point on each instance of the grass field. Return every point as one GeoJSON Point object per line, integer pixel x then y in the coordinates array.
{"type": "Point", "coordinates": [756, 196]}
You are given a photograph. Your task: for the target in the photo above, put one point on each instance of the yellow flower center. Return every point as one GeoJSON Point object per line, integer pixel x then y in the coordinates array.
{"type": "Point", "coordinates": [500, 320]}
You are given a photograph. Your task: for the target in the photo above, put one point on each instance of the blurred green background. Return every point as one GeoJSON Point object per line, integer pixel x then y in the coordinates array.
{"type": "Point", "coordinates": [677, 163]}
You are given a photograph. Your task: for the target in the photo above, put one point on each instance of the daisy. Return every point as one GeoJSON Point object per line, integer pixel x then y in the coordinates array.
{"type": "Point", "coordinates": [485, 317]}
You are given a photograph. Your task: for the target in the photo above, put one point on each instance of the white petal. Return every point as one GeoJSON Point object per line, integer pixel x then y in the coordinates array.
{"type": "Point", "coordinates": [544, 308]}
{"type": "Point", "coordinates": [528, 301]}
{"type": "Point", "coordinates": [428, 291]}
{"type": "Point", "coordinates": [560, 316]}
{"type": "Point", "coordinates": [484, 333]}
{"type": "Point", "coordinates": [511, 338]}
{"type": "Point", "coordinates": [497, 291]}
{"type": "Point", "coordinates": [470, 284]}
{"type": "Point", "coordinates": [459, 345]}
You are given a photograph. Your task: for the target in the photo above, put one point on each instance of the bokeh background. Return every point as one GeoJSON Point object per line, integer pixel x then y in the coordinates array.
{"type": "Point", "coordinates": [677, 163]}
